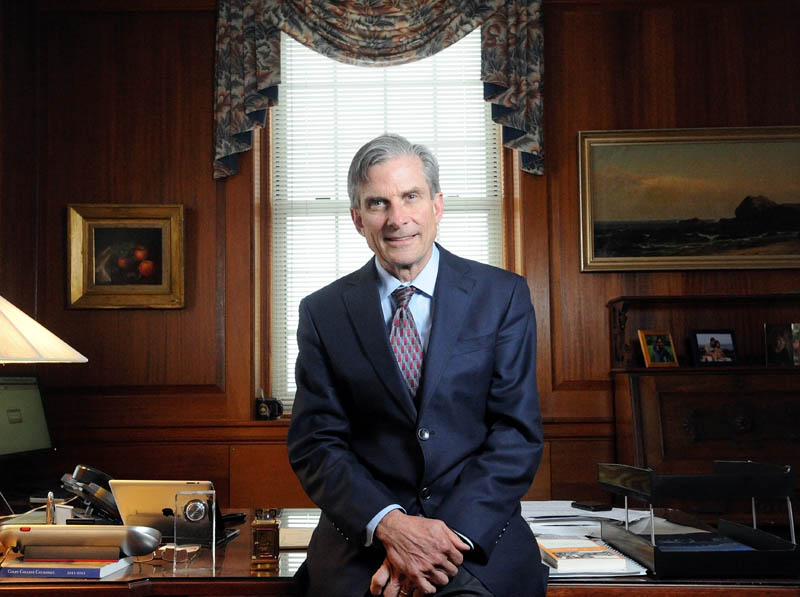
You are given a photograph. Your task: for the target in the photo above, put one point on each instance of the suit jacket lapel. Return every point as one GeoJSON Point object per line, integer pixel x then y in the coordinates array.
{"type": "Point", "coordinates": [452, 297]}
{"type": "Point", "coordinates": [363, 305]}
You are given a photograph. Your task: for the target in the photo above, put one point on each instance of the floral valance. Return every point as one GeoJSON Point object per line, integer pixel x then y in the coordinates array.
{"type": "Point", "coordinates": [376, 33]}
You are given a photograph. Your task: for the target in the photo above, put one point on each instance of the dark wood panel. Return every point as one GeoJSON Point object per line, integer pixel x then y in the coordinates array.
{"type": "Point", "coordinates": [541, 487]}
{"type": "Point", "coordinates": [573, 466]}
{"type": "Point", "coordinates": [623, 65]}
{"type": "Point", "coordinates": [125, 130]}
{"type": "Point", "coordinates": [17, 158]}
{"type": "Point", "coordinates": [134, 91]}
{"type": "Point", "coordinates": [261, 477]}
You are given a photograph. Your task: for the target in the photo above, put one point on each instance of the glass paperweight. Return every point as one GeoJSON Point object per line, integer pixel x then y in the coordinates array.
{"type": "Point", "coordinates": [195, 525]}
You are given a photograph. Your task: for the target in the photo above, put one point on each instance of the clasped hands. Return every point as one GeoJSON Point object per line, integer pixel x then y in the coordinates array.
{"type": "Point", "coordinates": [422, 554]}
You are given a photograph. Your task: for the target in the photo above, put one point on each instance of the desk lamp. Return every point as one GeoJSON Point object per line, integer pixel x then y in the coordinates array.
{"type": "Point", "coordinates": [23, 340]}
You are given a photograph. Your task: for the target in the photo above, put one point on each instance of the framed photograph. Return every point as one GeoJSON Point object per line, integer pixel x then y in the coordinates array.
{"type": "Point", "coordinates": [796, 344]}
{"type": "Point", "coordinates": [125, 256]}
{"type": "Point", "coordinates": [657, 348]}
{"type": "Point", "coordinates": [713, 347]}
{"type": "Point", "coordinates": [779, 343]}
{"type": "Point", "coordinates": [689, 199]}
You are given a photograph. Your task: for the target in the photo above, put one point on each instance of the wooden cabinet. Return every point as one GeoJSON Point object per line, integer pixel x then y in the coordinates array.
{"type": "Point", "coordinates": [678, 420]}
{"type": "Point", "coordinates": [745, 315]}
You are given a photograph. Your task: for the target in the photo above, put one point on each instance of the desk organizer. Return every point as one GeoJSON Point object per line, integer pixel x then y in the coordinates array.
{"type": "Point", "coordinates": [770, 556]}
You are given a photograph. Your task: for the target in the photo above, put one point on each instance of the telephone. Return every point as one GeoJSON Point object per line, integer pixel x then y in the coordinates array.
{"type": "Point", "coordinates": [91, 485]}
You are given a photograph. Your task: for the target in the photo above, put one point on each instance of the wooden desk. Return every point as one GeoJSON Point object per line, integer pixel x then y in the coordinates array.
{"type": "Point", "coordinates": [232, 577]}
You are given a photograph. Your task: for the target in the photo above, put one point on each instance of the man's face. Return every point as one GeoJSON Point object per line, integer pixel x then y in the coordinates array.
{"type": "Point", "coordinates": [397, 215]}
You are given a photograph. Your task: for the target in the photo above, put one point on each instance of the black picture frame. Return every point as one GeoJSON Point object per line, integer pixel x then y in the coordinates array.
{"type": "Point", "coordinates": [713, 348]}
{"type": "Point", "coordinates": [778, 344]}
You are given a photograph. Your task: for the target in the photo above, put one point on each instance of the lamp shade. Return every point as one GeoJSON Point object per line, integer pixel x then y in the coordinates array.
{"type": "Point", "coordinates": [23, 340]}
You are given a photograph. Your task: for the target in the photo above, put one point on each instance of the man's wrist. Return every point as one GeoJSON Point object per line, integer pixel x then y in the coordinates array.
{"type": "Point", "coordinates": [372, 525]}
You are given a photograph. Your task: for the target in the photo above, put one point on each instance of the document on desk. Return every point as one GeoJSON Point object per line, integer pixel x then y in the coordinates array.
{"type": "Point", "coordinates": [543, 510]}
{"type": "Point", "coordinates": [557, 518]}
{"type": "Point", "coordinates": [296, 527]}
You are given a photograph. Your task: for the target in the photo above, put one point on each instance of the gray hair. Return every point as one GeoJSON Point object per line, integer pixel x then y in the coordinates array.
{"type": "Point", "coordinates": [382, 149]}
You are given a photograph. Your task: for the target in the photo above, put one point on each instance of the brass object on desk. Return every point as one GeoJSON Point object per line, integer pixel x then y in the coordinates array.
{"type": "Point", "coordinates": [266, 537]}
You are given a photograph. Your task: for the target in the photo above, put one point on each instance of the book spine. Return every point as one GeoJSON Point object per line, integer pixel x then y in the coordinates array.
{"type": "Point", "coordinates": [45, 572]}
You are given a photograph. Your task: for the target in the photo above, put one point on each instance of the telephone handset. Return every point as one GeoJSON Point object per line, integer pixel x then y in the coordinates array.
{"type": "Point", "coordinates": [91, 485]}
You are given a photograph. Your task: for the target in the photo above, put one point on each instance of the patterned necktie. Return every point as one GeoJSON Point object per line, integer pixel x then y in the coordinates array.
{"type": "Point", "coordinates": [405, 340]}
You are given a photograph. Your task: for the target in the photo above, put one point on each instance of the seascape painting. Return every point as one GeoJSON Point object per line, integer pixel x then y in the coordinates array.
{"type": "Point", "coordinates": [696, 199]}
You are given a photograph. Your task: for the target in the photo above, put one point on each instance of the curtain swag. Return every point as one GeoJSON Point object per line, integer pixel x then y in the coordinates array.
{"type": "Point", "coordinates": [382, 33]}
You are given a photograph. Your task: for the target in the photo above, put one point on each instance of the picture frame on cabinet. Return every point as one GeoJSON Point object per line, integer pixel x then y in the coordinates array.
{"type": "Point", "coordinates": [125, 256]}
{"type": "Point", "coordinates": [796, 344]}
{"type": "Point", "coordinates": [713, 348]}
{"type": "Point", "coordinates": [689, 199]}
{"type": "Point", "coordinates": [782, 344]}
{"type": "Point", "coordinates": [658, 348]}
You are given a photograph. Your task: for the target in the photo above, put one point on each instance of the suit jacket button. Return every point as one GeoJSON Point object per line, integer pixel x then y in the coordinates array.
{"type": "Point", "coordinates": [425, 493]}
{"type": "Point", "coordinates": [423, 433]}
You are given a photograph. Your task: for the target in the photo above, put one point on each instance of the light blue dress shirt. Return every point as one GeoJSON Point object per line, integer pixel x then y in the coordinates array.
{"type": "Point", "coordinates": [420, 305]}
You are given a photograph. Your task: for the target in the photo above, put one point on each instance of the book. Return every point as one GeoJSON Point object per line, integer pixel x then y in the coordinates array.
{"type": "Point", "coordinates": [700, 541]}
{"type": "Point", "coordinates": [16, 565]}
{"type": "Point", "coordinates": [579, 554]}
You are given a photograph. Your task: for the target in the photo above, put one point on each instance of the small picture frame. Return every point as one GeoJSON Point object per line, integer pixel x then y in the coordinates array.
{"type": "Point", "coordinates": [778, 344]}
{"type": "Point", "coordinates": [796, 343]}
{"type": "Point", "coordinates": [713, 347]}
{"type": "Point", "coordinates": [658, 348]}
{"type": "Point", "coordinates": [125, 256]}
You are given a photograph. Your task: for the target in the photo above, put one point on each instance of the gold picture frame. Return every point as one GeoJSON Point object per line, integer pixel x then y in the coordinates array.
{"type": "Point", "coordinates": [658, 348]}
{"type": "Point", "coordinates": [689, 199]}
{"type": "Point", "coordinates": [125, 256]}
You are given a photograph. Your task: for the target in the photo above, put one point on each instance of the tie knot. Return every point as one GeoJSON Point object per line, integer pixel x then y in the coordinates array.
{"type": "Point", "coordinates": [402, 294]}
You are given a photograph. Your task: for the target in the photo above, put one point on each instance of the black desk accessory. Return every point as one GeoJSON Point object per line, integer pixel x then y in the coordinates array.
{"type": "Point", "coordinates": [766, 554]}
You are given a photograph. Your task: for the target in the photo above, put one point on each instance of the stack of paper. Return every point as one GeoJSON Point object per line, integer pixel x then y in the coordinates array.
{"type": "Point", "coordinates": [573, 554]}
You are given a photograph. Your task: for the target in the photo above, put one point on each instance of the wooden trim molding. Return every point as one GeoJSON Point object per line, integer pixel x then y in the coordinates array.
{"type": "Point", "coordinates": [127, 6]}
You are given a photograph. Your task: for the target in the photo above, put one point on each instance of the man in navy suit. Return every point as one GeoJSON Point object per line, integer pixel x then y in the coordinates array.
{"type": "Point", "coordinates": [419, 478]}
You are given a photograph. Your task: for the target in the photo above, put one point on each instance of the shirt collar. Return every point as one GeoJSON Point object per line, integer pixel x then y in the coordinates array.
{"type": "Point", "coordinates": [425, 281]}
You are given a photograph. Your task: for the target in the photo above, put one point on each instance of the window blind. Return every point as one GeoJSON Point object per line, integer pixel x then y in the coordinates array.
{"type": "Point", "coordinates": [326, 111]}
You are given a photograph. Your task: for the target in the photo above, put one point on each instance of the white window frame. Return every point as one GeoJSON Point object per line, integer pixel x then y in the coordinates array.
{"type": "Point", "coordinates": [459, 209]}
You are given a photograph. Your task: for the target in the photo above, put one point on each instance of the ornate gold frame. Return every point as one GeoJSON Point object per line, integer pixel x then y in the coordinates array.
{"type": "Point", "coordinates": [87, 292]}
{"type": "Point", "coordinates": [629, 155]}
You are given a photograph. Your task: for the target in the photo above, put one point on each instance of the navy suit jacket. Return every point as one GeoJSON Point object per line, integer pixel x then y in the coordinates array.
{"type": "Point", "coordinates": [465, 455]}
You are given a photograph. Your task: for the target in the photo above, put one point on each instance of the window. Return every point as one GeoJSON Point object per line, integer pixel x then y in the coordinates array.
{"type": "Point", "coordinates": [326, 111]}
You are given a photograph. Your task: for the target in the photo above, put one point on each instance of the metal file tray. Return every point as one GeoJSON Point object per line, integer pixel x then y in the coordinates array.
{"type": "Point", "coordinates": [770, 555]}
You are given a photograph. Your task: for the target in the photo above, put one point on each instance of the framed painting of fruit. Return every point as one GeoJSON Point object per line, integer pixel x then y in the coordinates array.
{"type": "Point", "coordinates": [125, 256]}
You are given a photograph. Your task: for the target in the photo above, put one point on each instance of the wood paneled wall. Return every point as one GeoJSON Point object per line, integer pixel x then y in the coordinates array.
{"type": "Point", "coordinates": [635, 65]}
{"type": "Point", "coordinates": [111, 102]}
